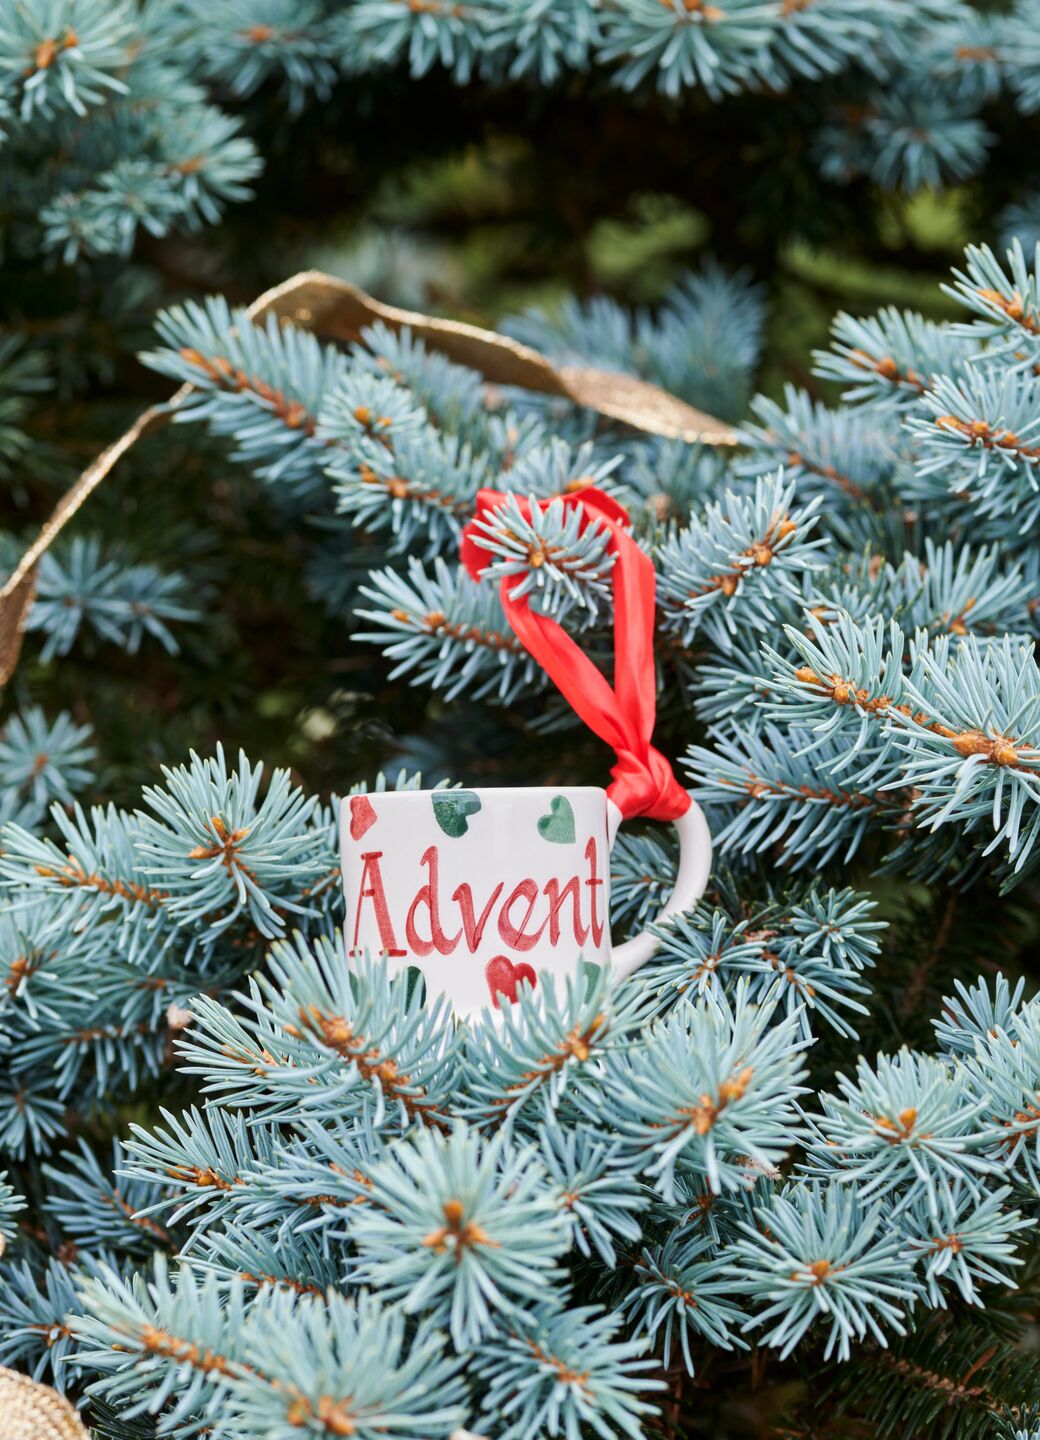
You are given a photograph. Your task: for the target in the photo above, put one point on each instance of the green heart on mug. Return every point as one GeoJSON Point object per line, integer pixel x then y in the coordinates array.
{"type": "Point", "coordinates": [558, 825]}
{"type": "Point", "coordinates": [452, 808]}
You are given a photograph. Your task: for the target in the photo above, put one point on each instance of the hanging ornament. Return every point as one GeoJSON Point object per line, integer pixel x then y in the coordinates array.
{"type": "Point", "coordinates": [484, 889]}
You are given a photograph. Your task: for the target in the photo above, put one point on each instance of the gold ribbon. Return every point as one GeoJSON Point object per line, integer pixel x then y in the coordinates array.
{"type": "Point", "coordinates": [339, 311]}
{"type": "Point", "coordinates": [30, 1411]}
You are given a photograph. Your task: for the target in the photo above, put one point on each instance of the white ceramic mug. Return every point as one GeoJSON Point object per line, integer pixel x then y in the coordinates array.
{"type": "Point", "coordinates": [482, 889]}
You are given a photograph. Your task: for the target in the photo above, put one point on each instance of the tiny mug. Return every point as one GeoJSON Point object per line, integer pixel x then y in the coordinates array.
{"type": "Point", "coordinates": [484, 889]}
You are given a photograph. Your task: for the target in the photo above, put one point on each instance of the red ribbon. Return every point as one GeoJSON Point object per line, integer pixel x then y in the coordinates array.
{"type": "Point", "coordinates": [624, 715]}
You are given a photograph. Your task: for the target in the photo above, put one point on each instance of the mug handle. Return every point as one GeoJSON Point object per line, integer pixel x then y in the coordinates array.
{"type": "Point", "coordinates": [690, 882]}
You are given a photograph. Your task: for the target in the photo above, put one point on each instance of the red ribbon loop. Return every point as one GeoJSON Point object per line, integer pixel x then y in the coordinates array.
{"type": "Point", "coordinates": [622, 715]}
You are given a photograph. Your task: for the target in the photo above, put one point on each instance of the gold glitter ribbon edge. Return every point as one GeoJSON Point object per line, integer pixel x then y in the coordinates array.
{"type": "Point", "coordinates": [338, 310]}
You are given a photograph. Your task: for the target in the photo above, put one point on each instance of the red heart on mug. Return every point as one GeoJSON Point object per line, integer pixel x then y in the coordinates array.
{"type": "Point", "coordinates": [362, 816]}
{"type": "Point", "coordinates": [503, 977]}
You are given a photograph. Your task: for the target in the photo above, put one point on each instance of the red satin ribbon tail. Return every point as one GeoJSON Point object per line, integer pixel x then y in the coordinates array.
{"type": "Point", "coordinates": [585, 688]}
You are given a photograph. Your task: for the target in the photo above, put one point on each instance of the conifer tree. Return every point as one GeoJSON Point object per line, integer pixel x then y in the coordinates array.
{"type": "Point", "coordinates": [784, 1180]}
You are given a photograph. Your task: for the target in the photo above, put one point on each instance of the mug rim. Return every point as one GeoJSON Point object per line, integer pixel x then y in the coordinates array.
{"type": "Point", "coordinates": [478, 790]}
